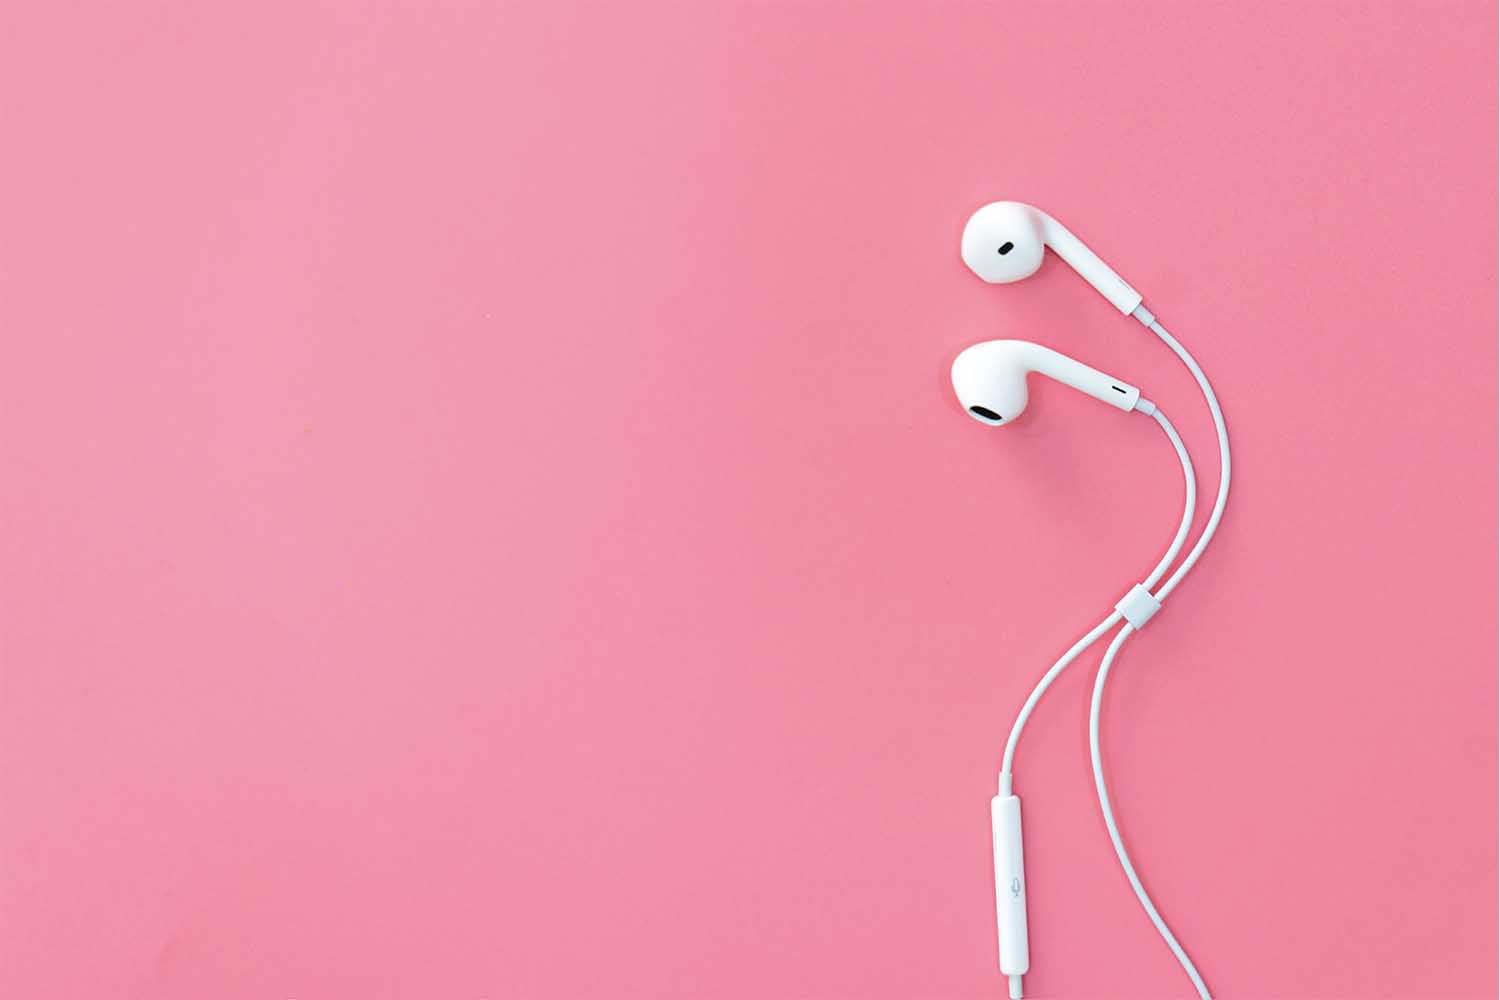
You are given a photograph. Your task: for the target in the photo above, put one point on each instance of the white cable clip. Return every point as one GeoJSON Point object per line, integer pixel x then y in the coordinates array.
{"type": "Point", "coordinates": [1138, 606]}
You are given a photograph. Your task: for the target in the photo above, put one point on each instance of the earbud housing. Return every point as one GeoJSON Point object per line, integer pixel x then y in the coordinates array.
{"type": "Point", "coordinates": [989, 379]}
{"type": "Point", "coordinates": [1004, 242]}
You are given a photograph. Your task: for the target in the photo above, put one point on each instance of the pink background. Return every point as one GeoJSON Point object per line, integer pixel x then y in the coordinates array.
{"type": "Point", "coordinates": [484, 514]}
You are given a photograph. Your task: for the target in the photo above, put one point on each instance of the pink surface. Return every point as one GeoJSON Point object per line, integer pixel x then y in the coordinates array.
{"type": "Point", "coordinates": [484, 515]}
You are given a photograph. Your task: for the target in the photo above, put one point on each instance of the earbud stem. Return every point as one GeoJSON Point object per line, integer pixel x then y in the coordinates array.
{"type": "Point", "coordinates": [1103, 387]}
{"type": "Point", "coordinates": [1087, 263]}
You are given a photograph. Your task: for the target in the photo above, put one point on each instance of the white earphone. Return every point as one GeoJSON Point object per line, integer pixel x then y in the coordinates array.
{"type": "Point", "coordinates": [1003, 242]}
{"type": "Point", "coordinates": [990, 379]}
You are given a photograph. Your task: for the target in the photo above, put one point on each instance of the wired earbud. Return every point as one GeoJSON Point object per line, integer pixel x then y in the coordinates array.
{"type": "Point", "coordinates": [1003, 242]}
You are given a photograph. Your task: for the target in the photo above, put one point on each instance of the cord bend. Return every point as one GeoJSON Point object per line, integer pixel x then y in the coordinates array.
{"type": "Point", "coordinates": [1190, 490]}
{"type": "Point", "coordinates": [1095, 706]}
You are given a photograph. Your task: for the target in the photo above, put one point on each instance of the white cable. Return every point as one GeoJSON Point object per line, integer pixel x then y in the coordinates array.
{"type": "Point", "coordinates": [1189, 499]}
{"type": "Point", "coordinates": [1109, 817]}
{"type": "Point", "coordinates": [1042, 685]}
{"type": "Point", "coordinates": [1190, 492]}
{"type": "Point", "coordinates": [1144, 315]}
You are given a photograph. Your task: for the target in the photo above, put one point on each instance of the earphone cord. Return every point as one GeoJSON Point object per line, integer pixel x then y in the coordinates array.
{"type": "Point", "coordinates": [1189, 499]}
{"type": "Point", "coordinates": [1114, 831]}
{"type": "Point", "coordinates": [1096, 758]}
{"type": "Point", "coordinates": [1212, 526]}
{"type": "Point", "coordinates": [1144, 315]}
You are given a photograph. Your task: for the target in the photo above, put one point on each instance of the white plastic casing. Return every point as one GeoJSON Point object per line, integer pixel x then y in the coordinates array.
{"type": "Point", "coordinates": [1087, 263]}
{"type": "Point", "coordinates": [993, 374]}
{"type": "Point", "coordinates": [1003, 242]}
{"type": "Point", "coordinates": [1138, 606]}
{"type": "Point", "coordinates": [1010, 885]}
